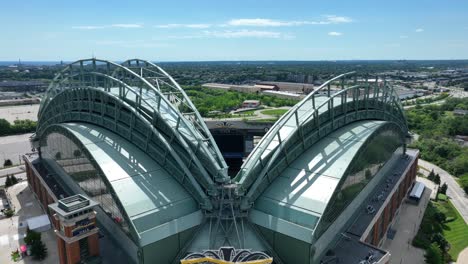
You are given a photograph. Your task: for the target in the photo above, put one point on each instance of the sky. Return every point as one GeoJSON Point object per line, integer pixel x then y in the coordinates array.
{"type": "Point", "coordinates": [208, 30]}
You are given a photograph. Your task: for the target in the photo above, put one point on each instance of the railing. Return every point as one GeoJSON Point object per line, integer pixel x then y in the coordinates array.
{"type": "Point", "coordinates": [74, 76]}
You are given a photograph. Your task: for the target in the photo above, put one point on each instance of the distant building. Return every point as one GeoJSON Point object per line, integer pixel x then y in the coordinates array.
{"type": "Point", "coordinates": [251, 104]}
{"type": "Point", "coordinates": [291, 87]}
{"type": "Point", "coordinates": [267, 87]}
{"type": "Point", "coordinates": [460, 112]}
{"type": "Point", "coordinates": [22, 86]}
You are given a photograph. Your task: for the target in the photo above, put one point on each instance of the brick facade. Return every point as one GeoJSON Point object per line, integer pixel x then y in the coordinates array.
{"type": "Point", "coordinates": [388, 214]}
{"type": "Point", "coordinates": [68, 251]}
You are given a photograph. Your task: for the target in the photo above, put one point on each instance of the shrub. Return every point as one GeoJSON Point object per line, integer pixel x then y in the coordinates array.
{"type": "Point", "coordinates": [7, 163]}
{"type": "Point", "coordinates": [9, 213]}
{"type": "Point", "coordinates": [433, 254]}
{"type": "Point", "coordinates": [15, 256]}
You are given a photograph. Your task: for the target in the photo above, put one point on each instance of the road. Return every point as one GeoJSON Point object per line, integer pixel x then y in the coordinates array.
{"type": "Point", "coordinates": [19, 176]}
{"type": "Point", "coordinates": [12, 147]}
{"type": "Point", "coordinates": [11, 170]}
{"type": "Point", "coordinates": [455, 192]}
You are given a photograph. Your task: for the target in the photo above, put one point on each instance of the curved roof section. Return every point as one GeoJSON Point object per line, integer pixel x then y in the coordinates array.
{"type": "Point", "coordinates": [314, 117]}
{"type": "Point", "coordinates": [147, 96]}
{"type": "Point", "coordinates": [155, 203]}
{"type": "Point", "coordinates": [296, 200]}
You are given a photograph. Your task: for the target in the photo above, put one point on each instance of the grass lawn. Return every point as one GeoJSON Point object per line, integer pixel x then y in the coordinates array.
{"type": "Point", "coordinates": [247, 113]}
{"type": "Point", "coordinates": [442, 197]}
{"type": "Point", "coordinates": [275, 112]}
{"type": "Point", "coordinates": [456, 232]}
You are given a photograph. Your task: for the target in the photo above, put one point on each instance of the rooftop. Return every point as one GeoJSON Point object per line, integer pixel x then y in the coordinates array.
{"type": "Point", "coordinates": [151, 197]}
{"type": "Point", "coordinates": [381, 193]}
{"type": "Point", "coordinates": [302, 192]}
{"type": "Point", "coordinates": [72, 204]}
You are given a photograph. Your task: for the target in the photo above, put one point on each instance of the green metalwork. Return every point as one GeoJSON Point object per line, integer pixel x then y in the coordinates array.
{"type": "Point", "coordinates": [95, 106]}
{"type": "Point", "coordinates": [311, 119]}
{"type": "Point", "coordinates": [146, 98]}
{"type": "Point", "coordinates": [141, 103]}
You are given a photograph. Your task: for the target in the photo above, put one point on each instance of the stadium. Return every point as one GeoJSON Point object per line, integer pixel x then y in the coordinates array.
{"type": "Point", "coordinates": [122, 151]}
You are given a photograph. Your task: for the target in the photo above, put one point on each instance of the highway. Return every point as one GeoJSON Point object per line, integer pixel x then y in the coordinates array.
{"type": "Point", "coordinates": [458, 197]}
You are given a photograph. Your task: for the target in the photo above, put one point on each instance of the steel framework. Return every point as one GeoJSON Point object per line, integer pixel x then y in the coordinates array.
{"type": "Point", "coordinates": [159, 119]}
{"type": "Point", "coordinates": [141, 102]}
{"type": "Point", "coordinates": [310, 120]}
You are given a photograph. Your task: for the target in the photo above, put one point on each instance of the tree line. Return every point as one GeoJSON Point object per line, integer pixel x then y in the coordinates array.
{"type": "Point", "coordinates": [18, 127]}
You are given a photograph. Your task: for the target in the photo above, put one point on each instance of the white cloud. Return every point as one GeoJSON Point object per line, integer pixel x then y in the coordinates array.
{"type": "Point", "coordinates": [184, 26]}
{"type": "Point", "coordinates": [245, 34]}
{"type": "Point", "coordinates": [338, 19]}
{"type": "Point", "coordinates": [403, 37]}
{"type": "Point", "coordinates": [418, 30]}
{"type": "Point", "coordinates": [335, 34]}
{"type": "Point", "coordinates": [109, 26]}
{"type": "Point", "coordinates": [88, 27]}
{"type": "Point", "coordinates": [127, 25]}
{"type": "Point", "coordinates": [266, 22]}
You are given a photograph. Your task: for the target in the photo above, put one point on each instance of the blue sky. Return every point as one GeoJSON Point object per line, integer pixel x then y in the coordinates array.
{"type": "Point", "coordinates": [233, 30]}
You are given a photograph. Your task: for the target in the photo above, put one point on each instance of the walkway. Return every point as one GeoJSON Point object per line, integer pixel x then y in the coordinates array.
{"type": "Point", "coordinates": [406, 226]}
{"type": "Point", "coordinates": [457, 196]}
{"type": "Point", "coordinates": [463, 257]}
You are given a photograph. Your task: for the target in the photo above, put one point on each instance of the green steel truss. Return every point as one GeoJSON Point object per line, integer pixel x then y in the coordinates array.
{"type": "Point", "coordinates": [320, 113]}
{"type": "Point", "coordinates": [142, 103]}
{"type": "Point", "coordinates": [116, 97]}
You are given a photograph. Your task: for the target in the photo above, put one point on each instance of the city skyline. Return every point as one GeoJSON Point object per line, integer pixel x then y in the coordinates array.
{"type": "Point", "coordinates": [231, 31]}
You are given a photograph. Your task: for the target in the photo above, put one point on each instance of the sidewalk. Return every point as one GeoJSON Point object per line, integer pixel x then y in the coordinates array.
{"type": "Point", "coordinates": [406, 226]}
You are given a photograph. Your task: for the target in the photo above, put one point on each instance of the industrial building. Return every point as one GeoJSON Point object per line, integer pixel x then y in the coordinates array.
{"type": "Point", "coordinates": [322, 186]}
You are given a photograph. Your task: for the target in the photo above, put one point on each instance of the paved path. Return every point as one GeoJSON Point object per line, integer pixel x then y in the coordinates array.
{"type": "Point", "coordinates": [11, 170]}
{"type": "Point", "coordinates": [20, 176]}
{"type": "Point", "coordinates": [12, 147]}
{"type": "Point", "coordinates": [457, 196]}
{"type": "Point", "coordinates": [463, 257]}
{"type": "Point", "coordinates": [407, 225]}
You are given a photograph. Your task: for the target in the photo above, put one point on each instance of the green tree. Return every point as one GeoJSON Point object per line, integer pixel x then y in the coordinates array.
{"type": "Point", "coordinates": [437, 178]}
{"type": "Point", "coordinates": [443, 188]}
{"type": "Point", "coordinates": [431, 175]}
{"type": "Point", "coordinates": [14, 180]}
{"type": "Point", "coordinates": [433, 254]}
{"type": "Point", "coordinates": [4, 127]}
{"type": "Point", "coordinates": [8, 181]}
{"type": "Point", "coordinates": [31, 237]}
{"type": "Point", "coordinates": [38, 250]}
{"type": "Point", "coordinates": [7, 162]}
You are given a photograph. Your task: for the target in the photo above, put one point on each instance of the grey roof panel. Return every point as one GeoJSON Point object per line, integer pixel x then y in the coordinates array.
{"type": "Point", "coordinates": [151, 197]}
{"type": "Point", "coordinates": [302, 191]}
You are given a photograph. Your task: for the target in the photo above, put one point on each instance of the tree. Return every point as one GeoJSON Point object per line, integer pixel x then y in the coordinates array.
{"type": "Point", "coordinates": [8, 181]}
{"type": "Point", "coordinates": [433, 254]}
{"type": "Point", "coordinates": [38, 250]}
{"type": "Point", "coordinates": [77, 153]}
{"type": "Point", "coordinates": [431, 175]}
{"type": "Point", "coordinates": [7, 162]}
{"type": "Point", "coordinates": [443, 188]}
{"type": "Point", "coordinates": [437, 179]}
{"type": "Point", "coordinates": [32, 237]}
{"type": "Point", "coordinates": [14, 180]}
